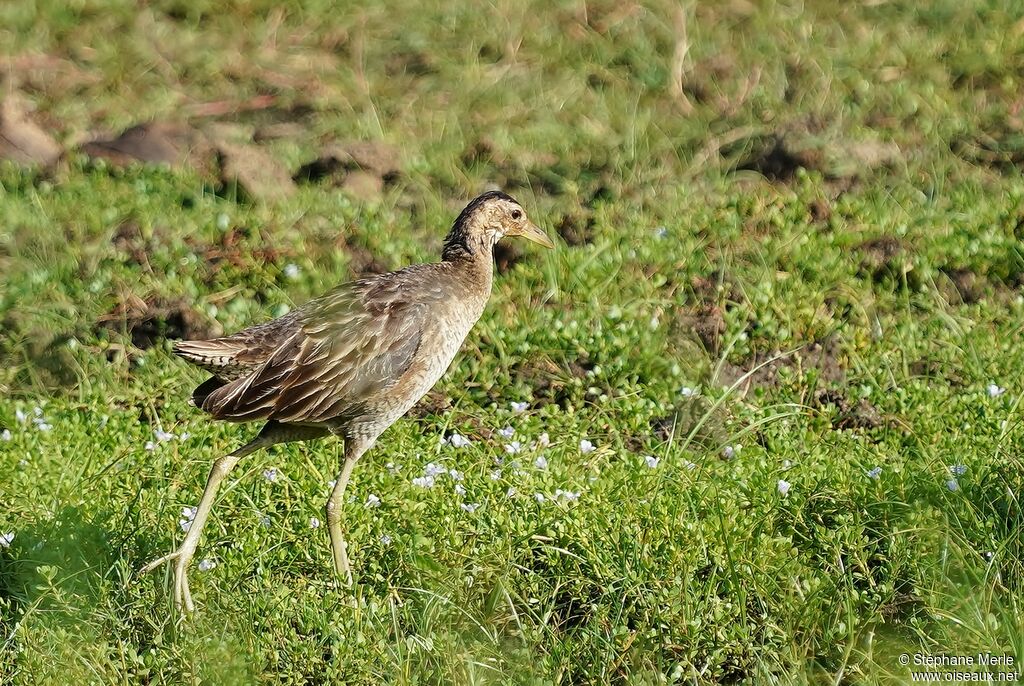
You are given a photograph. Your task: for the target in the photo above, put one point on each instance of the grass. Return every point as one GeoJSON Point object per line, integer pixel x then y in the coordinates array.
{"type": "Point", "coordinates": [839, 308]}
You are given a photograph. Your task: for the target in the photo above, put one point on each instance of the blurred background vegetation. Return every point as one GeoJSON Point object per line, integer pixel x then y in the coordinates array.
{"type": "Point", "coordinates": [729, 182]}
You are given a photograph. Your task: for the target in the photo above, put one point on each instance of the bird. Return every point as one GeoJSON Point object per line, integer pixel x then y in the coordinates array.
{"type": "Point", "coordinates": [347, 364]}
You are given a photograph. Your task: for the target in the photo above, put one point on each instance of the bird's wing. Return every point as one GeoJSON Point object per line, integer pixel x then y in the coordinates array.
{"type": "Point", "coordinates": [353, 342]}
{"type": "Point", "coordinates": [240, 354]}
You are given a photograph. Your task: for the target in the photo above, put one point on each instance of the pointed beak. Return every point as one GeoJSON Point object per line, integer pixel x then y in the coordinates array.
{"type": "Point", "coordinates": [531, 233]}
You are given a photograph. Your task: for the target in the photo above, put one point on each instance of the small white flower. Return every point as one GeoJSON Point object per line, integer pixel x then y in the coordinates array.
{"type": "Point", "coordinates": [292, 271]}
{"type": "Point", "coordinates": [786, 464]}
{"type": "Point", "coordinates": [953, 485]}
{"type": "Point", "coordinates": [433, 469]}
{"type": "Point", "coordinates": [460, 489]}
{"type": "Point", "coordinates": [507, 432]}
{"type": "Point", "coordinates": [651, 461]}
{"type": "Point", "coordinates": [783, 487]}
{"type": "Point", "coordinates": [6, 539]}
{"type": "Point", "coordinates": [385, 540]}
{"type": "Point", "coordinates": [691, 465]}
{"type": "Point", "coordinates": [875, 473]}
{"type": "Point", "coordinates": [459, 441]}
{"type": "Point", "coordinates": [469, 507]}
{"type": "Point", "coordinates": [661, 232]}
{"type": "Point", "coordinates": [20, 416]}
{"type": "Point", "coordinates": [687, 392]}
{"type": "Point", "coordinates": [185, 435]}
{"type": "Point", "coordinates": [957, 469]}
{"type": "Point", "coordinates": [495, 474]}
{"type": "Point", "coordinates": [332, 483]}
{"type": "Point", "coordinates": [163, 436]}
{"type": "Point", "coordinates": [187, 515]}
{"type": "Point", "coordinates": [42, 426]}
{"type": "Point", "coordinates": [150, 446]}
{"type": "Point", "coordinates": [586, 446]}
{"type": "Point", "coordinates": [510, 492]}
{"type": "Point", "coordinates": [423, 481]}
{"type": "Point", "coordinates": [455, 474]}
{"type": "Point", "coordinates": [372, 501]}
{"type": "Point", "coordinates": [518, 407]}
{"type": "Point", "coordinates": [223, 221]}
{"type": "Point", "coordinates": [541, 462]}
{"type": "Point", "coordinates": [539, 497]}
{"type": "Point", "coordinates": [995, 390]}
{"type": "Point", "coordinates": [206, 565]}
{"type": "Point", "coordinates": [543, 440]}
{"type": "Point", "coordinates": [314, 523]}
{"type": "Point", "coordinates": [37, 411]}
{"type": "Point", "coordinates": [270, 474]}
{"type": "Point", "coordinates": [5, 435]}
{"type": "Point", "coordinates": [513, 448]}
{"type": "Point", "coordinates": [394, 468]}
{"type": "Point", "coordinates": [729, 451]}
{"type": "Point", "coordinates": [568, 496]}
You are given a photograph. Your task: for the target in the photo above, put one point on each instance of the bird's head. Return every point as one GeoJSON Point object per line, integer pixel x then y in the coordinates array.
{"type": "Point", "coordinates": [485, 221]}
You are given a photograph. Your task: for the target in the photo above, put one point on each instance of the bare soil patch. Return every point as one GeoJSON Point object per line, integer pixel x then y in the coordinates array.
{"type": "Point", "coordinates": [21, 138]}
{"type": "Point", "coordinates": [149, 321]}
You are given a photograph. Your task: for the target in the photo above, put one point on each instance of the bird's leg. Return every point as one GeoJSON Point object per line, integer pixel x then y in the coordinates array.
{"type": "Point", "coordinates": [182, 557]}
{"type": "Point", "coordinates": [354, 448]}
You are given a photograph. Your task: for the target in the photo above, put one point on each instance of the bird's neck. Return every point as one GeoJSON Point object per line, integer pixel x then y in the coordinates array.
{"type": "Point", "coordinates": [476, 269]}
{"type": "Point", "coordinates": [471, 258]}
{"type": "Point", "coordinates": [466, 244]}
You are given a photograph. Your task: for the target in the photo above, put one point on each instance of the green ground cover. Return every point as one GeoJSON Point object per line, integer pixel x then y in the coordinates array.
{"type": "Point", "coordinates": [775, 355]}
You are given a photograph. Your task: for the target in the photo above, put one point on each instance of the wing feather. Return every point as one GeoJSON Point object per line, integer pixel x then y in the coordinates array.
{"type": "Point", "coordinates": [345, 347]}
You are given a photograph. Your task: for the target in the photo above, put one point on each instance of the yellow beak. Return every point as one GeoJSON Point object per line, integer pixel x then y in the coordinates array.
{"type": "Point", "coordinates": [531, 233]}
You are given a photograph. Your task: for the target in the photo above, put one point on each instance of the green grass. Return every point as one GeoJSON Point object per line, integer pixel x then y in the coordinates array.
{"type": "Point", "coordinates": [907, 275]}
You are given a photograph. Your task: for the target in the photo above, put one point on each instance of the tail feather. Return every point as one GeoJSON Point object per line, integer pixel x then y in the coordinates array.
{"type": "Point", "coordinates": [214, 353]}
{"type": "Point", "coordinates": [203, 390]}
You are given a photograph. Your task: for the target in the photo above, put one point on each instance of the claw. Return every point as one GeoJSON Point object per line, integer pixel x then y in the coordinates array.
{"type": "Point", "coordinates": [159, 561]}
{"type": "Point", "coordinates": [182, 594]}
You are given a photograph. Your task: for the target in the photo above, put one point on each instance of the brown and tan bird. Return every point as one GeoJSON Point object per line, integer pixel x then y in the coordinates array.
{"type": "Point", "coordinates": [348, 363]}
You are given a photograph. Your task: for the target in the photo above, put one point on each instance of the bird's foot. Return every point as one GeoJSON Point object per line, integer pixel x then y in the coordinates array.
{"type": "Point", "coordinates": [181, 557]}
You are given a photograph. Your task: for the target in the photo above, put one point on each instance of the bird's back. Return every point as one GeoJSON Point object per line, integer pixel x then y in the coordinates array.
{"type": "Point", "coordinates": [364, 349]}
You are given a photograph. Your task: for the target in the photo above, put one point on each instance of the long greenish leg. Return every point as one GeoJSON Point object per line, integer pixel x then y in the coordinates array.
{"type": "Point", "coordinates": [182, 557]}
{"type": "Point", "coordinates": [354, 449]}
{"type": "Point", "coordinates": [271, 434]}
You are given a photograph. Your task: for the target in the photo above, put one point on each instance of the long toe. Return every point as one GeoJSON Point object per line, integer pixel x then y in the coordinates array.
{"type": "Point", "coordinates": [157, 562]}
{"type": "Point", "coordinates": [182, 594]}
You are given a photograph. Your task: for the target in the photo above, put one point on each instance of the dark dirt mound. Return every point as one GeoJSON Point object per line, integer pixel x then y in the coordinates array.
{"type": "Point", "coordinates": [962, 285]}
{"type": "Point", "coordinates": [850, 415]}
{"type": "Point", "coordinates": [21, 139]}
{"type": "Point", "coordinates": [886, 261]}
{"type": "Point", "coordinates": [779, 156]}
{"type": "Point", "coordinates": [254, 173]}
{"type": "Point", "coordinates": [506, 256]}
{"type": "Point", "coordinates": [576, 229]}
{"type": "Point", "coordinates": [823, 357]}
{"type": "Point", "coordinates": [363, 168]}
{"type": "Point", "coordinates": [173, 144]}
{"type": "Point", "coordinates": [149, 321]}
{"type": "Point", "coordinates": [705, 323]}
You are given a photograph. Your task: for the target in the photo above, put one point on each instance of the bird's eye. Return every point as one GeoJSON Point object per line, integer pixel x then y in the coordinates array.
{"type": "Point", "coordinates": [516, 214]}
